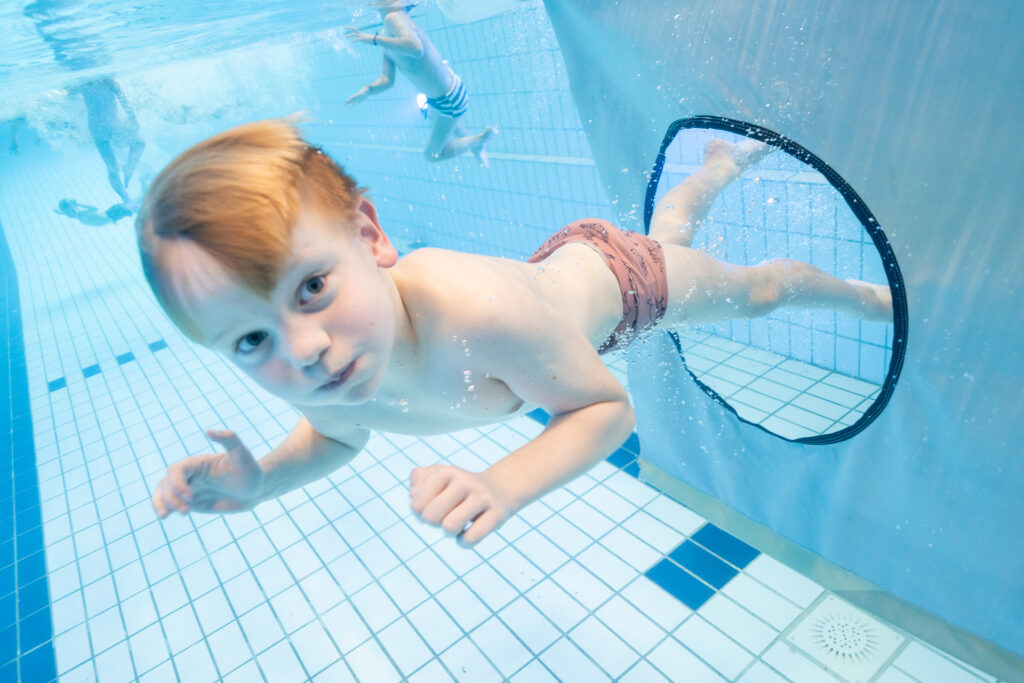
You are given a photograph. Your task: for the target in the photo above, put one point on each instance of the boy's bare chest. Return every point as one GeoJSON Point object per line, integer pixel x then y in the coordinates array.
{"type": "Point", "coordinates": [439, 403]}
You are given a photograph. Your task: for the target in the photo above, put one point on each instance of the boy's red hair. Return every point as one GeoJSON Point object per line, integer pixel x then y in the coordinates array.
{"type": "Point", "coordinates": [237, 195]}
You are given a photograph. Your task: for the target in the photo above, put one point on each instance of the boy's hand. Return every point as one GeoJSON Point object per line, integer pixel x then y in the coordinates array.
{"type": "Point", "coordinates": [212, 481]}
{"type": "Point", "coordinates": [357, 36]}
{"type": "Point", "coordinates": [452, 498]}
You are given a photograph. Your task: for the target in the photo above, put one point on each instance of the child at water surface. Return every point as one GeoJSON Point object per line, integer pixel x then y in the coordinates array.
{"type": "Point", "coordinates": [407, 48]}
{"type": "Point", "coordinates": [260, 247]}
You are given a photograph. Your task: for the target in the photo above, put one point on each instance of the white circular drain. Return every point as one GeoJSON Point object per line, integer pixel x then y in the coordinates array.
{"type": "Point", "coordinates": [844, 638]}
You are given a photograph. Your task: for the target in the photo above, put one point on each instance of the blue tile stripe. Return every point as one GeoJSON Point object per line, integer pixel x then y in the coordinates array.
{"type": "Point", "coordinates": [681, 584]}
{"type": "Point", "coordinates": [26, 628]}
{"type": "Point", "coordinates": [726, 546]}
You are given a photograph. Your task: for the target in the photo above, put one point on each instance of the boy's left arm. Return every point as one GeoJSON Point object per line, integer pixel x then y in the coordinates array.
{"type": "Point", "coordinates": [558, 369]}
{"type": "Point", "coordinates": [403, 41]}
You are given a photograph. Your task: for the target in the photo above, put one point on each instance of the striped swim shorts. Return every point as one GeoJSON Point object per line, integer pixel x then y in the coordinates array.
{"type": "Point", "coordinates": [453, 103]}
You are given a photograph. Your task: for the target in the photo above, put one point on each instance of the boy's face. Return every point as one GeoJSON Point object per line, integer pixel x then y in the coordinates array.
{"type": "Point", "coordinates": [326, 332]}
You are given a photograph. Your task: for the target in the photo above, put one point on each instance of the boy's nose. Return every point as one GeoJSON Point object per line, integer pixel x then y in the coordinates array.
{"type": "Point", "coordinates": [306, 345]}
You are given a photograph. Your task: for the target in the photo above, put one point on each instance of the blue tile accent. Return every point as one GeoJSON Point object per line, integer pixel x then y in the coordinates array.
{"type": "Point", "coordinates": [682, 585]}
{"type": "Point", "coordinates": [125, 358]}
{"type": "Point", "coordinates": [39, 664]}
{"type": "Point", "coordinates": [538, 415]}
{"type": "Point", "coordinates": [703, 564]}
{"type": "Point", "coordinates": [157, 345]}
{"type": "Point", "coordinates": [91, 370]}
{"type": "Point", "coordinates": [725, 545]}
{"type": "Point", "coordinates": [25, 609]}
{"type": "Point", "coordinates": [621, 457]}
{"type": "Point", "coordinates": [632, 444]}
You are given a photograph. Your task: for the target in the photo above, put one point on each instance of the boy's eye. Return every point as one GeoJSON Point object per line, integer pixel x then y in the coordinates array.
{"type": "Point", "coordinates": [250, 342]}
{"type": "Point", "coordinates": [311, 287]}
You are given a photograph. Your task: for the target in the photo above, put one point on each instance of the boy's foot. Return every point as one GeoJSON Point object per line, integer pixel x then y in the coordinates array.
{"type": "Point", "coordinates": [734, 158]}
{"type": "Point", "coordinates": [478, 147]}
{"type": "Point", "coordinates": [876, 300]}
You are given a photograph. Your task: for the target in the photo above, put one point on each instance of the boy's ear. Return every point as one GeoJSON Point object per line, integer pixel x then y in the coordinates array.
{"type": "Point", "coordinates": [372, 234]}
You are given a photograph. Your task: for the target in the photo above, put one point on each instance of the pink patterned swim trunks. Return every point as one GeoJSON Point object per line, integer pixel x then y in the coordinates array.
{"type": "Point", "coordinates": [638, 265]}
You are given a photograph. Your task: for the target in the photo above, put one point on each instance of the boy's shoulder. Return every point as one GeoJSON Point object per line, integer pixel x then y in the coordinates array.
{"type": "Point", "coordinates": [463, 291]}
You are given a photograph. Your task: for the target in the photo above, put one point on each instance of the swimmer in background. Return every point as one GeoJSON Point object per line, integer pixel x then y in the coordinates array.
{"type": "Point", "coordinates": [113, 126]}
{"type": "Point", "coordinates": [90, 215]}
{"type": "Point", "coordinates": [407, 48]}
{"type": "Point", "coordinates": [296, 283]}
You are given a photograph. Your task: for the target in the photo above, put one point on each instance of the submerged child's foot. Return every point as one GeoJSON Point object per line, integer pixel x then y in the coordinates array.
{"type": "Point", "coordinates": [735, 157]}
{"type": "Point", "coordinates": [478, 147]}
{"type": "Point", "coordinates": [875, 300]}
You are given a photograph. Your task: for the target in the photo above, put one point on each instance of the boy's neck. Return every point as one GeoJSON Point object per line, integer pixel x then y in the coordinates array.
{"type": "Point", "coordinates": [402, 362]}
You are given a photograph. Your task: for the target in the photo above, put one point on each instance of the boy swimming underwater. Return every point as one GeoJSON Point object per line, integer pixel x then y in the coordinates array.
{"type": "Point", "coordinates": [260, 247]}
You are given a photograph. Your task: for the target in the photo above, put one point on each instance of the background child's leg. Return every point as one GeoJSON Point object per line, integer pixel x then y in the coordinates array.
{"type": "Point", "coordinates": [682, 209]}
{"type": "Point", "coordinates": [440, 147]}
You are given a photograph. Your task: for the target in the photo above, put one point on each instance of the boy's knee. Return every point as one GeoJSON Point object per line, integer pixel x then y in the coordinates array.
{"type": "Point", "coordinates": [767, 286]}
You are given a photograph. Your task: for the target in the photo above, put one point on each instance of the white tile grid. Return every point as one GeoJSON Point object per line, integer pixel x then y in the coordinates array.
{"type": "Point", "coordinates": [788, 397]}
{"type": "Point", "coordinates": [318, 593]}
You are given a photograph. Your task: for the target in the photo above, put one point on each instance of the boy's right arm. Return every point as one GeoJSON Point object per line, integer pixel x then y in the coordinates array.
{"type": "Point", "coordinates": [234, 481]}
{"type": "Point", "coordinates": [383, 82]}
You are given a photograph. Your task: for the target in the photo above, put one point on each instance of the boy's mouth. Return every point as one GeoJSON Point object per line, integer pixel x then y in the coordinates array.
{"type": "Point", "coordinates": [339, 378]}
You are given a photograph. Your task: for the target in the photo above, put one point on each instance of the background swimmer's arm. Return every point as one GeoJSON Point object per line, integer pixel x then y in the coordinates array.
{"type": "Point", "coordinates": [404, 38]}
{"type": "Point", "coordinates": [385, 81]}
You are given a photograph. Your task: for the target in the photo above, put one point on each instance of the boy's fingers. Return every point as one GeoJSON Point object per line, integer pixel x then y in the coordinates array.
{"type": "Point", "coordinates": [469, 509]}
{"type": "Point", "coordinates": [438, 507]}
{"type": "Point", "coordinates": [171, 499]}
{"type": "Point", "coordinates": [158, 504]}
{"type": "Point", "coordinates": [427, 489]}
{"type": "Point", "coordinates": [481, 526]}
{"type": "Point", "coordinates": [179, 483]}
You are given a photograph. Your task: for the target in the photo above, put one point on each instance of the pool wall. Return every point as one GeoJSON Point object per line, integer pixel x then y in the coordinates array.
{"type": "Point", "coordinates": [915, 109]}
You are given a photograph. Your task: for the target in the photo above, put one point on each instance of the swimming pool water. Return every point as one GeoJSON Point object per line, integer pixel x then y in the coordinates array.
{"type": "Point", "coordinates": [607, 578]}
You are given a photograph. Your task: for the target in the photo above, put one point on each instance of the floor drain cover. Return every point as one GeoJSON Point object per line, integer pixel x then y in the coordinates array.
{"type": "Point", "coordinates": [844, 639]}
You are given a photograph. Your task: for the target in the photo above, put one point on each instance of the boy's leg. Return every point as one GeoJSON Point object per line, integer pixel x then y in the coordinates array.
{"type": "Point", "coordinates": [703, 289]}
{"type": "Point", "coordinates": [682, 209]}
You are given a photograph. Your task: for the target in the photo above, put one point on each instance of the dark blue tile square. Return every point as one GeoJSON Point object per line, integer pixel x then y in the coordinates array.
{"type": "Point", "coordinates": [725, 545]}
{"type": "Point", "coordinates": [27, 517]}
{"type": "Point", "coordinates": [8, 609]}
{"type": "Point", "coordinates": [157, 345]}
{"type": "Point", "coordinates": [40, 664]}
{"type": "Point", "coordinates": [621, 457]}
{"type": "Point", "coordinates": [30, 541]}
{"type": "Point", "coordinates": [9, 671]}
{"type": "Point", "coordinates": [686, 588]}
{"type": "Point", "coordinates": [8, 646]}
{"type": "Point", "coordinates": [632, 469]}
{"type": "Point", "coordinates": [703, 564]}
{"type": "Point", "coordinates": [35, 630]}
{"type": "Point", "coordinates": [56, 384]}
{"type": "Point", "coordinates": [7, 579]}
{"type": "Point", "coordinates": [6, 550]}
{"type": "Point", "coordinates": [91, 370]}
{"type": "Point", "coordinates": [32, 567]}
{"type": "Point", "coordinates": [538, 415]}
{"type": "Point", "coordinates": [125, 358]}
{"type": "Point", "coordinates": [32, 597]}
{"type": "Point", "coordinates": [632, 443]}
